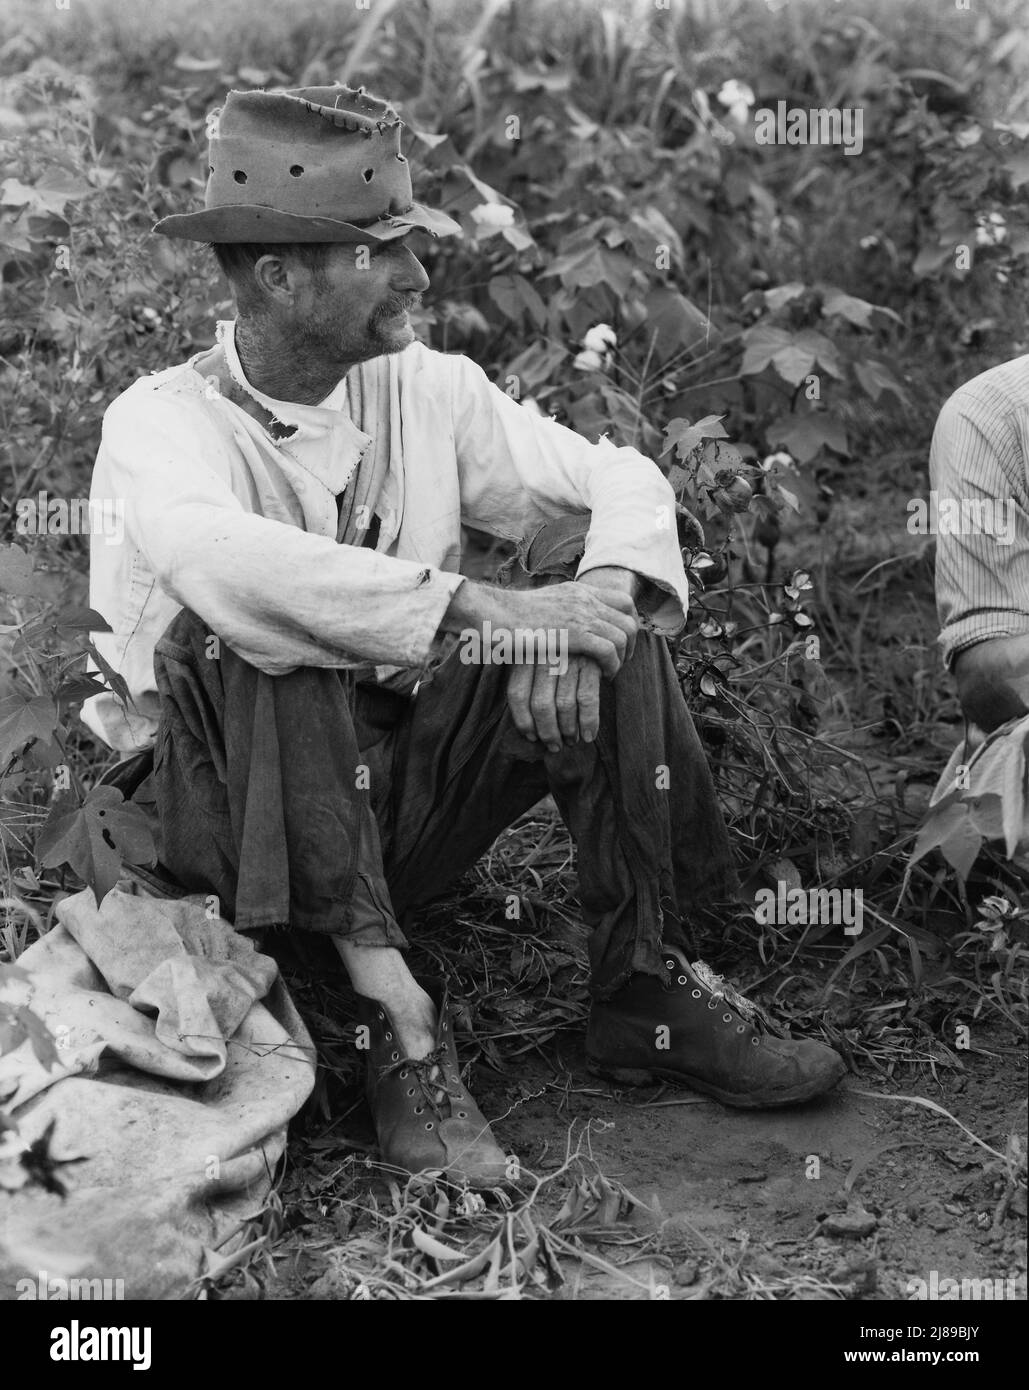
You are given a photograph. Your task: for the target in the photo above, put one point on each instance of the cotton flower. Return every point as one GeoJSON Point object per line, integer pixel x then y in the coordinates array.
{"type": "Point", "coordinates": [992, 229]}
{"type": "Point", "coordinates": [968, 137]}
{"type": "Point", "coordinates": [600, 338]}
{"type": "Point", "coordinates": [737, 98]}
{"type": "Point", "coordinates": [492, 216]}
{"type": "Point", "coordinates": [782, 459]}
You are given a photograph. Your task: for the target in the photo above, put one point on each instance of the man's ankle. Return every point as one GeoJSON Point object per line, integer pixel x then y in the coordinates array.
{"type": "Point", "coordinates": [415, 1020]}
{"type": "Point", "coordinates": [381, 973]}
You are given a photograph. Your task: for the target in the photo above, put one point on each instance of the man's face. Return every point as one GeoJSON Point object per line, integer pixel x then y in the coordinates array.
{"type": "Point", "coordinates": [356, 307]}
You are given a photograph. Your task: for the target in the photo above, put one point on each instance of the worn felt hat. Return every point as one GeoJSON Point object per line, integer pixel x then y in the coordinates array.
{"type": "Point", "coordinates": [307, 164]}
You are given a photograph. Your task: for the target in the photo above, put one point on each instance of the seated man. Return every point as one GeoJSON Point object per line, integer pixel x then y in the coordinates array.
{"type": "Point", "coordinates": [286, 609]}
{"type": "Point", "coordinates": [979, 468]}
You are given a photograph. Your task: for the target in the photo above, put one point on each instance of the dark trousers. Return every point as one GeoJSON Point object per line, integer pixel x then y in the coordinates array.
{"type": "Point", "coordinates": [317, 802]}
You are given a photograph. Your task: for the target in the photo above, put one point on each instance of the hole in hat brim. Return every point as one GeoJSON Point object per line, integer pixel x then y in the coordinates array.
{"type": "Point", "coordinates": [296, 170]}
{"type": "Point", "coordinates": [239, 176]}
{"type": "Point", "coordinates": [368, 175]}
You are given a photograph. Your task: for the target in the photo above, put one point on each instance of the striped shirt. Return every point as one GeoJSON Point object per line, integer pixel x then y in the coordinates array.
{"type": "Point", "coordinates": [979, 471]}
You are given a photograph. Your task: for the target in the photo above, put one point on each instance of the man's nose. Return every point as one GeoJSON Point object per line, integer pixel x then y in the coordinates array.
{"type": "Point", "coordinates": [410, 273]}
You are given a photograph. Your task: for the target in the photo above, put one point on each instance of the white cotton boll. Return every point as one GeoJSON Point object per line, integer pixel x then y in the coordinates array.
{"type": "Point", "coordinates": [992, 229]}
{"type": "Point", "coordinates": [737, 98]}
{"type": "Point", "coordinates": [589, 361]}
{"type": "Point", "coordinates": [600, 338]}
{"type": "Point", "coordinates": [493, 215]}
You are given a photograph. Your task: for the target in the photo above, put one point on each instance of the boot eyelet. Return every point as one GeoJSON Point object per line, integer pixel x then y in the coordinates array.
{"type": "Point", "coordinates": [419, 1110]}
{"type": "Point", "coordinates": [411, 1091]}
{"type": "Point", "coordinates": [742, 1028]}
{"type": "Point", "coordinates": [389, 1037]}
{"type": "Point", "coordinates": [696, 994]}
{"type": "Point", "coordinates": [395, 1056]}
{"type": "Point", "coordinates": [444, 1026]}
{"type": "Point", "coordinates": [462, 1114]}
{"type": "Point", "coordinates": [755, 1042]}
{"type": "Point", "coordinates": [727, 1018]}
{"type": "Point", "coordinates": [382, 1016]}
{"type": "Point", "coordinates": [683, 980]}
{"type": "Point", "coordinates": [429, 1125]}
{"type": "Point", "coordinates": [403, 1077]}
{"type": "Point", "coordinates": [712, 1003]}
{"type": "Point", "coordinates": [670, 964]}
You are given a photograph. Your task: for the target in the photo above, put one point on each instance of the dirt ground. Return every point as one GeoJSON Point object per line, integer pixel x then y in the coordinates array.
{"type": "Point", "coordinates": [854, 1196]}
{"type": "Point", "coordinates": [895, 1193]}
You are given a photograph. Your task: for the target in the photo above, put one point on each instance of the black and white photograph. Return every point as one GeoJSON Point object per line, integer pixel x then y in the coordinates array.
{"type": "Point", "coordinates": [514, 669]}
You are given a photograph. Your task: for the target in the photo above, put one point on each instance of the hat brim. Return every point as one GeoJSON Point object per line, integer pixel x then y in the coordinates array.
{"type": "Point", "coordinates": [246, 223]}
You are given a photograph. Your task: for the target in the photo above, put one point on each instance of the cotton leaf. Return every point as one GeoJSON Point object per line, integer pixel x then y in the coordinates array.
{"type": "Point", "coordinates": [806, 435]}
{"type": "Point", "coordinates": [761, 343]}
{"type": "Point", "coordinates": [113, 678]}
{"type": "Point", "coordinates": [856, 311]}
{"type": "Point", "coordinates": [95, 838]}
{"type": "Point", "coordinates": [781, 295]}
{"type": "Point", "coordinates": [684, 437]}
{"type": "Point", "coordinates": [81, 620]}
{"type": "Point", "coordinates": [950, 830]}
{"type": "Point", "coordinates": [23, 722]}
{"type": "Point", "coordinates": [875, 379]}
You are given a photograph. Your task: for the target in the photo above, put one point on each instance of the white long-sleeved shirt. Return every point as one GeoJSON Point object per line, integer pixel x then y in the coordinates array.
{"type": "Point", "coordinates": [239, 526]}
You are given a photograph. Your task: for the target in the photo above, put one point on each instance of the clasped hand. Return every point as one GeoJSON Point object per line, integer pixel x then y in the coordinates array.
{"type": "Point", "coordinates": [597, 620]}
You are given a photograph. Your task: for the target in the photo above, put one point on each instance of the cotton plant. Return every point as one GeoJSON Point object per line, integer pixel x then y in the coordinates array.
{"type": "Point", "coordinates": [597, 345]}
{"type": "Point", "coordinates": [737, 98]}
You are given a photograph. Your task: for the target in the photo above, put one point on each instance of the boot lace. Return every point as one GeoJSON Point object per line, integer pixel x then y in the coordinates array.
{"type": "Point", "coordinates": [435, 1089]}
{"type": "Point", "coordinates": [721, 988]}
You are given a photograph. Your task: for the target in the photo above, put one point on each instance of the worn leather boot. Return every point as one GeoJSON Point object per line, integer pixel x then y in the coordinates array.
{"type": "Point", "coordinates": [695, 1029]}
{"type": "Point", "coordinates": [425, 1122]}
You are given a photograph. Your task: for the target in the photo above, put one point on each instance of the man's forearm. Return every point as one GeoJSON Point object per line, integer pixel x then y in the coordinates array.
{"type": "Point", "coordinates": [473, 603]}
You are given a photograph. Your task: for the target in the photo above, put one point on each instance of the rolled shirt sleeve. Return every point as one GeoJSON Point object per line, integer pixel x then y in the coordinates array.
{"type": "Point", "coordinates": [978, 467]}
{"type": "Point", "coordinates": [519, 469]}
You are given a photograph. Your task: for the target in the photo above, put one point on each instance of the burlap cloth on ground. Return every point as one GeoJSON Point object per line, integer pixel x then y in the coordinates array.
{"type": "Point", "coordinates": [182, 1061]}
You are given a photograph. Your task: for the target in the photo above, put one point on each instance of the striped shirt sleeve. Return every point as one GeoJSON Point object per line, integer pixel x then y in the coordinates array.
{"type": "Point", "coordinates": [979, 470]}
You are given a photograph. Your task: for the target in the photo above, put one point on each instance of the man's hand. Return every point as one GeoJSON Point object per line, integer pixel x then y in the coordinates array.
{"type": "Point", "coordinates": [591, 621]}
{"type": "Point", "coordinates": [993, 681]}
{"type": "Point", "coordinates": [556, 709]}
{"type": "Point", "coordinates": [565, 708]}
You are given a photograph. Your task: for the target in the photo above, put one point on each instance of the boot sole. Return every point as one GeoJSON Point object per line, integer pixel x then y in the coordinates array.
{"type": "Point", "coordinates": [638, 1076]}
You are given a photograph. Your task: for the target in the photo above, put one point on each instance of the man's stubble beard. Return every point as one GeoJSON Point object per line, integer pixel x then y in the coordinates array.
{"type": "Point", "coordinates": [384, 333]}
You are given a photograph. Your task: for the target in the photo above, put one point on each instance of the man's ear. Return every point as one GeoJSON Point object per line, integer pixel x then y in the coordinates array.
{"type": "Point", "coordinates": [274, 277]}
